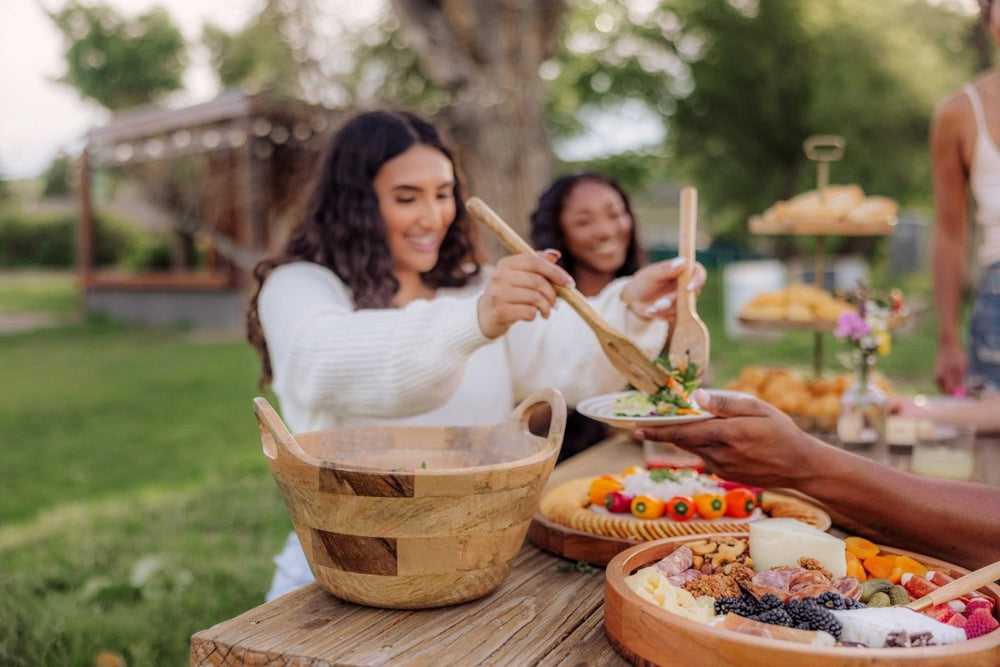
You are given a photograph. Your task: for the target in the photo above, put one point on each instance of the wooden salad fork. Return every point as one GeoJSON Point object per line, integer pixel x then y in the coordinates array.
{"type": "Point", "coordinates": [688, 339]}
{"type": "Point", "coordinates": [624, 355]}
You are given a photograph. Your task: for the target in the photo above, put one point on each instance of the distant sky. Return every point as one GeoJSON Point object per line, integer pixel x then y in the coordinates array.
{"type": "Point", "coordinates": [38, 116]}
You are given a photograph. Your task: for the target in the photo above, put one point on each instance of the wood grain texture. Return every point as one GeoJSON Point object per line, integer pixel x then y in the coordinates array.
{"type": "Point", "coordinates": [689, 341]}
{"type": "Point", "coordinates": [627, 357]}
{"type": "Point", "coordinates": [410, 517]}
{"type": "Point", "coordinates": [647, 634]}
{"type": "Point", "coordinates": [538, 616]}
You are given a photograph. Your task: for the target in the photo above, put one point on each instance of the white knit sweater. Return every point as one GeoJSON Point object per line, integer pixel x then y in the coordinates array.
{"type": "Point", "coordinates": [427, 363]}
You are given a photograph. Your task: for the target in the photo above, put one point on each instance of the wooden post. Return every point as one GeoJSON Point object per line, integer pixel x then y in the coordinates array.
{"type": "Point", "coordinates": [85, 229]}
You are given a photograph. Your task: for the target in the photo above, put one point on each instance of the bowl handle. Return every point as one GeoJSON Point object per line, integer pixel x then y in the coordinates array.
{"type": "Point", "coordinates": [275, 437]}
{"type": "Point", "coordinates": [557, 426]}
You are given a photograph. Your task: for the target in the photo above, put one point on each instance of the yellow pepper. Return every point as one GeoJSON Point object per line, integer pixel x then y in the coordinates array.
{"type": "Point", "coordinates": [647, 507]}
{"type": "Point", "coordinates": [710, 505]}
{"type": "Point", "coordinates": [602, 486]}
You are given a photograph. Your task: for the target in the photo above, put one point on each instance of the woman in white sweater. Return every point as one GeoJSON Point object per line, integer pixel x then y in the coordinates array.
{"type": "Point", "coordinates": [379, 311]}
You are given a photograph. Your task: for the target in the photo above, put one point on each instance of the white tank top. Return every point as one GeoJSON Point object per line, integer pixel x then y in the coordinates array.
{"type": "Point", "coordinates": [984, 180]}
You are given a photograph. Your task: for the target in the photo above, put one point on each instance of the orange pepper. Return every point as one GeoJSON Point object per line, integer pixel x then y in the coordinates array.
{"type": "Point", "coordinates": [861, 547]}
{"type": "Point", "coordinates": [740, 502]}
{"type": "Point", "coordinates": [647, 507]}
{"type": "Point", "coordinates": [710, 505]}
{"type": "Point", "coordinates": [855, 568]}
{"type": "Point", "coordinates": [883, 567]}
{"type": "Point", "coordinates": [631, 470]}
{"type": "Point", "coordinates": [602, 486]}
{"type": "Point", "coordinates": [907, 564]}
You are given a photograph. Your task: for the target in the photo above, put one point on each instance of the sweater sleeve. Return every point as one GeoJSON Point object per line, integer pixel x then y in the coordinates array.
{"type": "Point", "coordinates": [563, 352]}
{"type": "Point", "coordinates": [384, 363]}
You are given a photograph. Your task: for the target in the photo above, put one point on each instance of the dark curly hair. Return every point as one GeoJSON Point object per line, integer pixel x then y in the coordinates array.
{"type": "Point", "coordinates": [343, 230]}
{"type": "Point", "coordinates": [547, 232]}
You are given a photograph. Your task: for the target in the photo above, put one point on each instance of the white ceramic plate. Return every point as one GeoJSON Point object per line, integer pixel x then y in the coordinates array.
{"type": "Point", "coordinates": [602, 409]}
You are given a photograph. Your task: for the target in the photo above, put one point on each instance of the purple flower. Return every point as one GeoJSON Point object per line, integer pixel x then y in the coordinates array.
{"type": "Point", "coordinates": [851, 325]}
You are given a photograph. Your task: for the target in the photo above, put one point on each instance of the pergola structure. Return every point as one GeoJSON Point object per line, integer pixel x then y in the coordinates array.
{"type": "Point", "coordinates": [256, 156]}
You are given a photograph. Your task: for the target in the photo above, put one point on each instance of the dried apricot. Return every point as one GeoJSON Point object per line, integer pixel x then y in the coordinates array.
{"type": "Point", "coordinates": [855, 568]}
{"type": "Point", "coordinates": [861, 547]}
{"type": "Point", "coordinates": [883, 567]}
{"type": "Point", "coordinates": [910, 565]}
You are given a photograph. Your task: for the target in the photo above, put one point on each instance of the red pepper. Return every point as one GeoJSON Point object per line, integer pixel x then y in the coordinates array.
{"type": "Point", "coordinates": [680, 508]}
{"type": "Point", "coordinates": [618, 502]}
{"type": "Point", "coordinates": [740, 502]}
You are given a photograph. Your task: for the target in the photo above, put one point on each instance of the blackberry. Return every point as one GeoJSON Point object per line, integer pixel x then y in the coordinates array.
{"type": "Point", "coordinates": [833, 600]}
{"type": "Point", "coordinates": [744, 605]}
{"type": "Point", "coordinates": [808, 615]}
{"type": "Point", "coordinates": [776, 616]}
{"type": "Point", "coordinates": [771, 601]}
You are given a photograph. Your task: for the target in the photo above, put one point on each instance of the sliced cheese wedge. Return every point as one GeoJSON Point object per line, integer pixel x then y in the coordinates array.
{"type": "Point", "coordinates": [776, 542]}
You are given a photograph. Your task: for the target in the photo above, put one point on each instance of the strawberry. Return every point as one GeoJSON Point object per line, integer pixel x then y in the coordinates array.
{"type": "Point", "coordinates": [981, 622]}
{"type": "Point", "coordinates": [957, 620]}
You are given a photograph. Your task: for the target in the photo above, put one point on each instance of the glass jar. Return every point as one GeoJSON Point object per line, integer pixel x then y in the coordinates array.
{"type": "Point", "coordinates": [863, 409]}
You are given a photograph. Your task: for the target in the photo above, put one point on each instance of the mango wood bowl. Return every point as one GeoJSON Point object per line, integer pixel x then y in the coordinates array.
{"type": "Point", "coordinates": [646, 634]}
{"type": "Point", "coordinates": [410, 517]}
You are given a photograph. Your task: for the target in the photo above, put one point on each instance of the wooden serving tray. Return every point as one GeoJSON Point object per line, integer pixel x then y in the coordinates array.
{"type": "Point", "coordinates": [818, 227]}
{"type": "Point", "coordinates": [563, 540]}
{"type": "Point", "coordinates": [646, 634]}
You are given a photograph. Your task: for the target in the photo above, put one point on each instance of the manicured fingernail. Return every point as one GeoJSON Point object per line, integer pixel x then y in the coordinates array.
{"type": "Point", "coordinates": [661, 304]}
{"type": "Point", "coordinates": [552, 252]}
{"type": "Point", "coordinates": [677, 261]}
{"type": "Point", "coordinates": [702, 397]}
{"type": "Point", "coordinates": [640, 435]}
{"type": "Point", "coordinates": [693, 285]}
{"type": "Point", "coordinates": [568, 280]}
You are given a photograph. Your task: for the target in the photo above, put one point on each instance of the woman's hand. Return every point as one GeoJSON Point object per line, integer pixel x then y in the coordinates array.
{"type": "Point", "coordinates": [949, 371]}
{"type": "Point", "coordinates": [652, 292]}
{"type": "Point", "coordinates": [750, 441]}
{"type": "Point", "coordinates": [520, 288]}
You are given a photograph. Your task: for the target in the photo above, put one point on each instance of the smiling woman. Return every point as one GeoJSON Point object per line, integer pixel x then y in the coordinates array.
{"type": "Point", "coordinates": [378, 311]}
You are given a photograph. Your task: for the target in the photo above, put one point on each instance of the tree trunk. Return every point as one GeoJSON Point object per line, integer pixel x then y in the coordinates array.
{"type": "Point", "coordinates": [487, 54]}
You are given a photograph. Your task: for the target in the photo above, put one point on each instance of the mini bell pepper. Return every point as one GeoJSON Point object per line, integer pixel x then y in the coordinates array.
{"type": "Point", "coordinates": [710, 505]}
{"type": "Point", "coordinates": [647, 507]}
{"type": "Point", "coordinates": [602, 486]}
{"type": "Point", "coordinates": [680, 508]}
{"type": "Point", "coordinates": [740, 502]}
{"type": "Point", "coordinates": [618, 502]}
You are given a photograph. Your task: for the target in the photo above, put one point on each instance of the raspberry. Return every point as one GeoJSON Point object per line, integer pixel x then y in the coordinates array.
{"type": "Point", "coordinates": [981, 622]}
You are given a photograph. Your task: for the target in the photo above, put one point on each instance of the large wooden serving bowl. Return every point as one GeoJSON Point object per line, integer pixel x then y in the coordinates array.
{"type": "Point", "coordinates": [649, 635]}
{"type": "Point", "coordinates": [410, 517]}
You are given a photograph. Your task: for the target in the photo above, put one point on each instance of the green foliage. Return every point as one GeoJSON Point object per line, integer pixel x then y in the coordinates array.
{"type": "Point", "coordinates": [121, 62]}
{"type": "Point", "coordinates": [33, 291]}
{"type": "Point", "coordinates": [58, 177]}
{"type": "Point", "coordinates": [257, 57]}
{"type": "Point", "coordinates": [49, 240]}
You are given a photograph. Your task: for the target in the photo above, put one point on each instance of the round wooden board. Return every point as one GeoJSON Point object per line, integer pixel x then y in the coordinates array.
{"type": "Point", "coordinates": [596, 549]}
{"type": "Point", "coordinates": [646, 634]}
{"type": "Point", "coordinates": [820, 227]}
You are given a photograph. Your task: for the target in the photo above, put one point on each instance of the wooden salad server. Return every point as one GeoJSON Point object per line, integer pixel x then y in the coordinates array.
{"type": "Point", "coordinates": [688, 340]}
{"type": "Point", "coordinates": [624, 355]}
{"type": "Point", "coordinates": [961, 586]}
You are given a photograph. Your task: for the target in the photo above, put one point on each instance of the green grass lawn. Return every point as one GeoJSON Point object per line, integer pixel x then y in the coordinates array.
{"type": "Point", "coordinates": [136, 506]}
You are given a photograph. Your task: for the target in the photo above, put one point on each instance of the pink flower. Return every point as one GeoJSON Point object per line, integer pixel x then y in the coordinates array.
{"type": "Point", "coordinates": [851, 325]}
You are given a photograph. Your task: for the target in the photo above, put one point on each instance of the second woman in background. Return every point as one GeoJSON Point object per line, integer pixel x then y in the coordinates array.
{"type": "Point", "coordinates": [588, 218]}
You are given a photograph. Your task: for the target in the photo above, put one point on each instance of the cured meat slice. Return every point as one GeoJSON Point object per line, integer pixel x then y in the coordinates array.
{"type": "Point", "coordinates": [682, 578]}
{"type": "Point", "coordinates": [777, 577]}
{"type": "Point", "coordinates": [807, 578]}
{"type": "Point", "coordinates": [848, 587]}
{"type": "Point", "coordinates": [811, 591]}
{"type": "Point", "coordinates": [681, 559]}
{"type": "Point", "coordinates": [749, 626]}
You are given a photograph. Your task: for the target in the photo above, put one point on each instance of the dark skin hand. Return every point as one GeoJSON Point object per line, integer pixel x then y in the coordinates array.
{"type": "Point", "coordinates": [753, 442]}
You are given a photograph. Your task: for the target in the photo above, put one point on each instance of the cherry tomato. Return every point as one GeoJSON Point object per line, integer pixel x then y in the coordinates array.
{"type": "Point", "coordinates": [680, 508]}
{"type": "Point", "coordinates": [710, 505]}
{"type": "Point", "coordinates": [602, 486]}
{"type": "Point", "coordinates": [618, 502]}
{"type": "Point", "coordinates": [740, 502]}
{"type": "Point", "coordinates": [647, 507]}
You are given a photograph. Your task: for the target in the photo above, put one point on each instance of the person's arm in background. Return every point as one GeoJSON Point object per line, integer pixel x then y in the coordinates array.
{"type": "Point", "coordinates": [983, 414]}
{"type": "Point", "coordinates": [950, 179]}
{"type": "Point", "coordinates": [753, 442]}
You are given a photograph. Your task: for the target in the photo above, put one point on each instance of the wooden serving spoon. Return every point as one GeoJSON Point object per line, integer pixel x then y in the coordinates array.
{"type": "Point", "coordinates": [961, 586]}
{"type": "Point", "coordinates": [624, 355]}
{"type": "Point", "coordinates": [688, 340]}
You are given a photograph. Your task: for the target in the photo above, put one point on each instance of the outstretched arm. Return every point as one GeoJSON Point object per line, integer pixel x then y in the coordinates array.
{"type": "Point", "coordinates": [753, 442]}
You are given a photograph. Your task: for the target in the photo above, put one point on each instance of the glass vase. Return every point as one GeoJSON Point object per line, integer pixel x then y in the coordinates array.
{"type": "Point", "coordinates": [863, 410]}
